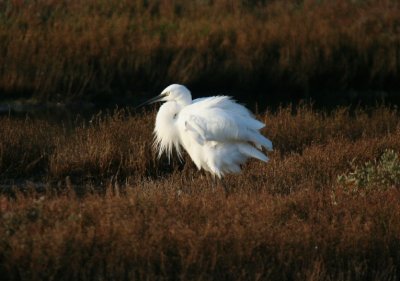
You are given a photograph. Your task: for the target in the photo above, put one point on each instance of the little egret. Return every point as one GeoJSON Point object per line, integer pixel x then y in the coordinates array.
{"type": "Point", "coordinates": [218, 134]}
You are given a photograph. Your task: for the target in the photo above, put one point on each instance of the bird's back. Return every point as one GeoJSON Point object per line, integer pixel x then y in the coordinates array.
{"type": "Point", "coordinates": [222, 102]}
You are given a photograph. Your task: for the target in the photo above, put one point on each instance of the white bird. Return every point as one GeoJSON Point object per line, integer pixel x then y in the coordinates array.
{"type": "Point", "coordinates": [218, 134]}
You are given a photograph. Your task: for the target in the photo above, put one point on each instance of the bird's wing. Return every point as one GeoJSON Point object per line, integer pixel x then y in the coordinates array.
{"type": "Point", "coordinates": [221, 119]}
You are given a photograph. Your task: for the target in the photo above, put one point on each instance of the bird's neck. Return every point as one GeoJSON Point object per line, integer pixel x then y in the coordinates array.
{"type": "Point", "coordinates": [184, 100]}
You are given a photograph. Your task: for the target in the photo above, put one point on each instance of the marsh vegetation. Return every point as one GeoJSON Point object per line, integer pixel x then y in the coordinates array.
{"type": "Point", "coordinates": [108, 209]}
{"type": "Point", "coordinates": [111, 50]}
{"type": "Point", "coordinates": [87, 198]}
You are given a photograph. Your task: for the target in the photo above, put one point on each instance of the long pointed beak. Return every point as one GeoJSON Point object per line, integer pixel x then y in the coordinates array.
{"type": "Point", "coordinates": [152, 100]}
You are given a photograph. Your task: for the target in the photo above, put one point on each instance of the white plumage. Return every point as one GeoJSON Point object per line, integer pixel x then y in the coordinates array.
{"type": "Point", "coordinates": [218, 134]}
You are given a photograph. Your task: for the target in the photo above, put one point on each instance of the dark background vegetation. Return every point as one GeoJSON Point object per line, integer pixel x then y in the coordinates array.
{"type": "Point", "coordinates": [115, 51]}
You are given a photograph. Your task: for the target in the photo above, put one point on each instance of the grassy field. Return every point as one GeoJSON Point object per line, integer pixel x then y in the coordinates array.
{"type": "Point", "coordinates": [93, 203]}
{"type": "Point", "coordinates": [100, 50]}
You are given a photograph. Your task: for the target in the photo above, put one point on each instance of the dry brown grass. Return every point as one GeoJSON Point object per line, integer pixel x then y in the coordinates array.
{"type": "Point", "coordinates": [99, 49]}
{"type": "Point", "coordinates": [153, 232]}
{"type": "Point", "coordinates": [285, 220]}
{"type": "Point", "coordinates": [119, 143]}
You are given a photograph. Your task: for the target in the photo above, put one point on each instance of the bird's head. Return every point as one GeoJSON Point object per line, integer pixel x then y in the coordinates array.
{"type": "Point", "coordinates": [175, 92]}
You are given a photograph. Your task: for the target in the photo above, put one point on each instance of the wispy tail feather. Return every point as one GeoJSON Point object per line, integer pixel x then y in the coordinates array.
{"type": "Point", "coordinates": [259, 140]}
{"type": "Point", "coordinates": [250, 151]}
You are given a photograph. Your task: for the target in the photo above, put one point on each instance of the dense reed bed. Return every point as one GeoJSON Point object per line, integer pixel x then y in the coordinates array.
{"type": "Point", "coordinates": [102, 50]}
{"type": "Point", "coordinates": [108, 209]}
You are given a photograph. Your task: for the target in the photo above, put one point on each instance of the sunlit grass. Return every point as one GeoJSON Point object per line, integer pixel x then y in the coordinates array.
{"type": "Point", "coordinates": [93, 202]}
